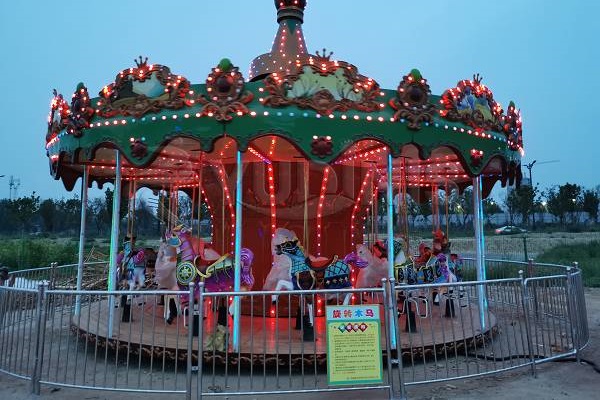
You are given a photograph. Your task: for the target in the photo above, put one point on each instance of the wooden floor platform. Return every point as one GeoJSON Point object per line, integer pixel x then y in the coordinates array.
{"type": "Point", "coordinates": [266, 338]}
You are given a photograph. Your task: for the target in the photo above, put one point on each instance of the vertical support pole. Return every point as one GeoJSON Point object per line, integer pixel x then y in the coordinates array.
{"type": "Point", "coordinates": [190, 346]}
{"type": "Point", "coordinates": [525, 248]}
{"type": "Point", "coordinates": [39, 337]}
{"type": "Point", "coordinates": [237, 250]}
{"type": "Point", "coordinates": [199, 376]}
{"type": "Point", "coordinates": [524, 302]}
{"type": "Point", "coordinates": [114, 241]}
{"type": "Point", "coordinates": [480, 250]}
{"type": "Point", "coordinates": [390, 241]}
{"type": "Point", "coordinates": [389, 298]}
{"type": "Point", "coordinates": [82, 225]}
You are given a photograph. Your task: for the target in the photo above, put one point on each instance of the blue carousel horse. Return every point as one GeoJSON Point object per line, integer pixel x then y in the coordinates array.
{"type": "Point", "coordinates": [307, 273]}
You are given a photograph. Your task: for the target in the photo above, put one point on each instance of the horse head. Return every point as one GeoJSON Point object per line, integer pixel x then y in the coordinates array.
{"type": "Point", "coordinates": [175, 235]}
{"type": "Point", "coordinates": [353, 259]}
{"type": "Point", "coordinates": [289, 247]}
{"type": "Point", "coordinates": [364, 257]}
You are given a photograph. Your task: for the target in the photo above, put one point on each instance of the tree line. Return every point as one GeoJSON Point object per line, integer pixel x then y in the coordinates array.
{"type": "Point", "coordinates": [569, 204]}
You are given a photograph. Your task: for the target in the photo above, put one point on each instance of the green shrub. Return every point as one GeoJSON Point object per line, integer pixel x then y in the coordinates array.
{"type": "Point", "coordinates": [31, 253]}
{"type": "Point", "coordinates": [587, 255]}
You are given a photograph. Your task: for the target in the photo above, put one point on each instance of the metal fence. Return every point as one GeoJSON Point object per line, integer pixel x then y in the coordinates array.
{"type": "Point", "coordinates": [163, 341]}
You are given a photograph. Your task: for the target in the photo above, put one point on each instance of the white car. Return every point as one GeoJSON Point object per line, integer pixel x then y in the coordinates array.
{"type": "Point", "coordinates": [509, 230]}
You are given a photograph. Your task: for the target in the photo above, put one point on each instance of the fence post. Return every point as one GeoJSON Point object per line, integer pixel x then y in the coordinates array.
{"type": "Point", "coordinates": [53, 274]}
{"type": "Point", "coordinates": [200, 341]}
{"type": "Point", "coordinates": [389, 300]}
{"type": "Point", "coordinates": [573, 314]}
{"type": "Point", "coordinates": [524, 301]}
{"type": "Point", "coordinates": [190, 345]}
{"type": "Point", "coordinates": [525, 248]}
{"type": "Point", "coordinates": [40, 322]}
{"type": "Point", "coordinates": [531, 274]}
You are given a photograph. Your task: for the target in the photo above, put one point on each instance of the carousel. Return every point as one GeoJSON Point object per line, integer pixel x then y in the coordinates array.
{"type": "Point", "coordinates": [287, 163]}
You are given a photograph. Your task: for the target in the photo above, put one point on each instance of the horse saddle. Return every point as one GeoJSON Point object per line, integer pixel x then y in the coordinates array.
{"type": "Point", "coordinates": [319, 265]}
{"type": "Point", "coordinates": [207, 267]}
{"type": "Point", "coordinates": [310, 279]}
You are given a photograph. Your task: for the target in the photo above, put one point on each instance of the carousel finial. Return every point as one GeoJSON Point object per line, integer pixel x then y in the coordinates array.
{"type": "Point", "coordinates": [324, 55]}
{"type": "Point", "coordinates": [141, 62]}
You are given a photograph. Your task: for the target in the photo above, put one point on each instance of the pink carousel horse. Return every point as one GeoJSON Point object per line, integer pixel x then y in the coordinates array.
{"type": "Point", "coordinates": [199, 263]}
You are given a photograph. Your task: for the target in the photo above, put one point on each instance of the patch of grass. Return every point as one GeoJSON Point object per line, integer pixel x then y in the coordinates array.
{"type": "Point", "coordinates": [32, 253]}
{"type": "Point", "coordinates": [586, 254]}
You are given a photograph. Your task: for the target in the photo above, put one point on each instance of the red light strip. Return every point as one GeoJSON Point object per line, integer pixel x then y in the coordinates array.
{"type": "Point", "coordinates": [229, 202]}
{"type": "Point", "coordinates": [356, 207]}
{"type": "Point", "coordinates": [320, 208]}
{"type": "Point", "coordinates": [271, 178]}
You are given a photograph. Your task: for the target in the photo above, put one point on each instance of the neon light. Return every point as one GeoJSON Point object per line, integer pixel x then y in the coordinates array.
{"type": "Point", "coordinates": [271, 183]}
{"type": "Point", "coordinates": [355, 209]}
{"type": "Point", "coordinates": [320, 208]}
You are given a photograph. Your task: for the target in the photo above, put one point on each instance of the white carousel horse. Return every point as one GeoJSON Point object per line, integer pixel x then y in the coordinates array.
{"type": "Point", "coordinates": [201, 263]}
{"type": "Point", "coordinates": [372, 271]}
{"type": "Point", "coordinates": [307, 272]}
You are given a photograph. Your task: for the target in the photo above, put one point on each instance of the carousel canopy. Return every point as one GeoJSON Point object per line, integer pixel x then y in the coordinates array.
{"type": "Point", "coordinates": [294, 106]}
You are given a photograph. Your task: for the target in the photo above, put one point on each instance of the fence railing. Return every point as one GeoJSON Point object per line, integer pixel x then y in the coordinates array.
{"type": "Point", "coordinates": [189, 342]}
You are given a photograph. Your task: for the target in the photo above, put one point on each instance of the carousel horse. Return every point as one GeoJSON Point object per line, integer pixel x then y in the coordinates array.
{"type": "Point", "coordinates": [307, 273]}
{"type": "Point", "coordinates": [278, 277]}
{"type": "Point", "coordinates": [372, 269]}
{"type": "Point", "coordinates": [199, 263]}
{"type": "Point", "coordinates": [404, 273]}
{"type": "Point", "coordinates": [132, 269]}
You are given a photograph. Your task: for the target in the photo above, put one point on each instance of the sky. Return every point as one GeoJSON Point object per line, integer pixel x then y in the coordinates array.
{"type": "Point", "coordinates": [543, 55]}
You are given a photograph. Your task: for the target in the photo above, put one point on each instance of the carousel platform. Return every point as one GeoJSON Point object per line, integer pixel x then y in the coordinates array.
{"type": "Point", "coordinates": [268, 341]}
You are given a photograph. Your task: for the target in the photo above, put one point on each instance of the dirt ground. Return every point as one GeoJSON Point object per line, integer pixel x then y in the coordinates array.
{"type": "Point", "coordinates": [555, 380]}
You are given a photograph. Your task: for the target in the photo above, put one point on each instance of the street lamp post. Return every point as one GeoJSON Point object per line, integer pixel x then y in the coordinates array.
{"type": "Point", "coordinates": [529, 167]}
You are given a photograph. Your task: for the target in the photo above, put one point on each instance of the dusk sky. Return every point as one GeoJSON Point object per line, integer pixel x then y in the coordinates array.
{"type": "Point", "coordinates": [543, 55]}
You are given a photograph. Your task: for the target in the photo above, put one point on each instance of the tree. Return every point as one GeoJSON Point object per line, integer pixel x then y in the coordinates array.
{"type": "Point", "coordinates": [463, 204]}
{"type": "Point", "coordinates": [9, 221]}
{"type": "Point", "coordinates": [24, 208]}
{"type": "Point", "coordinates": [68, 215]}
{"type": "Point", "coordinates": [144, 218]}
{"type": "Point", "coordinates": [490, 207]}
{"type": "Point", "coordinates": [108, 195]}
{"type": "Point", "coordinates": [590, 202]}
{"type": "Point", "coordinates": [510, 203]}
{"type": "Point", "coordinates": [521, 201]}
{"type": "Point", "coordinates": [564, 200]}
{"type": "Point", "coordinates": [97, 212]}
{"type": "Point", "coordinates": [47, 212]}
{"type": "Point", "coordinates": [526, 197]}
{"type": "Point", "coordinates": [184, 209]}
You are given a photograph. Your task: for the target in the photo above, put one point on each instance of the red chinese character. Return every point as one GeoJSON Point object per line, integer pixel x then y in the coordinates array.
{"type": "Point", "coordinates": [369, 313]}
{"type": "Point", "coordinates": [337, 314]}
{"type": "Point", "coordinates": [347, 313]}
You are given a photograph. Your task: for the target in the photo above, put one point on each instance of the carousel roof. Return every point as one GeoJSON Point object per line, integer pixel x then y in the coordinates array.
{"type": "Point", "coordinates": [295, 105]}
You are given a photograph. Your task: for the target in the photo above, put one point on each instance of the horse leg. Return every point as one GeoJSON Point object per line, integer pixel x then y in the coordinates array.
{"type": "Point", "coordinates": [281, 285]}
{"type": "Point", "coordinates": [222, 312]}
{"type": "Point", "coordinates": [347, 299]}
{"type": "Point", "coordinates": [308, 333]}
{"type": "Point", "coordinates": [172, 310]}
